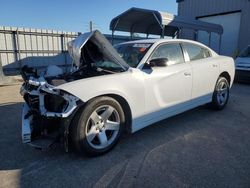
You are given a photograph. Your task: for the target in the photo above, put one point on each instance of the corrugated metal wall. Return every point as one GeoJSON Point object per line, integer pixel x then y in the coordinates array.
{"type": "Point", "coordinates": [34, 47]}
{"type": "Point", "coordinates": [199, 8]}
{"type": "Point", "coordinates": [37, 48]}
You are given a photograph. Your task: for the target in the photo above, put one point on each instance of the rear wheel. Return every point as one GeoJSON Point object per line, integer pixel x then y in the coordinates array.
{"type": "Point", "coordinates": [98, 127]}
{"type": "Point", "coordinates": [221, 94]}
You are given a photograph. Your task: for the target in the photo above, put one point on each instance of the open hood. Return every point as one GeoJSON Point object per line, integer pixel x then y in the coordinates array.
{"type": "Point", "coordinates": [75, 48]}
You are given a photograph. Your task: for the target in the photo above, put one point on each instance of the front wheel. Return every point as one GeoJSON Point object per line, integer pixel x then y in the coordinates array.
{"type": "Point", "coordinates": [221, 94]}
{"type": "Point", "coordinates": [98, 127]}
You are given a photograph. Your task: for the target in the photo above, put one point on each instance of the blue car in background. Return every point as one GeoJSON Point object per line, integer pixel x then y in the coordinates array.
{"type": "Point", "coordinates": [242, 65]}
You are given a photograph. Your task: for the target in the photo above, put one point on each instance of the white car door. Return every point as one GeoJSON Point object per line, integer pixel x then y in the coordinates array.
{"type": "Point", "coordinates": [168, 88]}
{"type": "Point", "coordinates": [205, 71]}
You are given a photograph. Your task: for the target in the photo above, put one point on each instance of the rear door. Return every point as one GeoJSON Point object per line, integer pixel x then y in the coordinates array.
{"type": "Point", "coordinates": [205, 70]}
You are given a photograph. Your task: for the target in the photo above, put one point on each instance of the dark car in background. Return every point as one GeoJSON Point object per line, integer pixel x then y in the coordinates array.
{"type": "Point", "coordinates": [242, 65]}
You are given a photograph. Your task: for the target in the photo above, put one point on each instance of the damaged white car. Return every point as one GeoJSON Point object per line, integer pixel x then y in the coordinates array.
{"type": "Point", "coordinates": [112, 90]}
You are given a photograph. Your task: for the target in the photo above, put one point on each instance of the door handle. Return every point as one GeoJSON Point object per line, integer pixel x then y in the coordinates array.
{"type": "Point", "coordinates": [187, 73]}
{"type": "Point", "coordinates": [214, 65]}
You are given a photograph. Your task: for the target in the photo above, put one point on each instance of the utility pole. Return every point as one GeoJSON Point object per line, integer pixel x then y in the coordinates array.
{"type": "Point", "coordinates": [90, 26]}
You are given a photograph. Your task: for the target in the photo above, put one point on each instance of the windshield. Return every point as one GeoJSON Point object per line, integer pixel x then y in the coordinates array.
{"type": "Point", "coordinates": [245, 53]}
{"type": "Point", "coordinates": [108, 65]}
{"type": "Point", "coordinates": [132, 53]}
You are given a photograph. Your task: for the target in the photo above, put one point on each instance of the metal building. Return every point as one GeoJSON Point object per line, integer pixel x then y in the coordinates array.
{"type": "Point", "coordinates": [233, 15]}
{"type": "Point", "coordinates": [153, 22]}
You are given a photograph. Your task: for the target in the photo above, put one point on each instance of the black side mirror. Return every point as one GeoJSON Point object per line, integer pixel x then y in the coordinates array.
{"type": "Point", "coordinates": [147, 65]}
{"type": "Point", "coordinates": [158, 62]}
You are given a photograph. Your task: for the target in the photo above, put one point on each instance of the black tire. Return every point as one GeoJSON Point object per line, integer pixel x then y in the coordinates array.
{"type": "Point", "coordinates": [87, 121]}
{"type": "Point", "coordinates": [221, 94]}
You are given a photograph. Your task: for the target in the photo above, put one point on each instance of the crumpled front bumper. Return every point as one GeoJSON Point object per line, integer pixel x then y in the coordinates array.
{"type": "Point", "coordinates": [38, 119]}
{"type": "Point", "coordinates": [26, 130]}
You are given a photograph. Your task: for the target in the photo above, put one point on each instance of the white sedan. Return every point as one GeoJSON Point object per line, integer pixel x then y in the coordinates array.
{"type": "Point", "coordinates": [112, 90]}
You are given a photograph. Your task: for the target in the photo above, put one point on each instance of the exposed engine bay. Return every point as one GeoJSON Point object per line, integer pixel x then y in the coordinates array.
{"type": "Point", "coordinates": [92, 63]}
{"type": "Point", "coordinates": [48, 111]}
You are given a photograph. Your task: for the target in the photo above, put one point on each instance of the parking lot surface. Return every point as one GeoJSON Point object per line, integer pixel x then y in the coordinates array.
{"type": "Point", "coordinates": [198, 148]}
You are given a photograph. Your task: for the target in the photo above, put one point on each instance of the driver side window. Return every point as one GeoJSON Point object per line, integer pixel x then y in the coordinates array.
{"type": "Point", "coordinates": [172, 52]}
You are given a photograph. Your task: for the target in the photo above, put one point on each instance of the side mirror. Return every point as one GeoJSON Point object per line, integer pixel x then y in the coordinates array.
{"type": "Point", "coordinates": [158, 62]}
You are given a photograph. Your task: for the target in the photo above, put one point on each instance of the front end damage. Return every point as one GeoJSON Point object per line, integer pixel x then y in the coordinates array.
{"type": "Point", "coordinates": [47, 113]}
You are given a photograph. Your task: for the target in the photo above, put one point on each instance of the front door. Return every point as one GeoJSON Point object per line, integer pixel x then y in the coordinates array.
{"type": "Point", "coordinates": [168, 88]}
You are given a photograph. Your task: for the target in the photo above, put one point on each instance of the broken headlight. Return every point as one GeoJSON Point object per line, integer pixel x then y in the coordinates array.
{"type": "Point", "coordinates": [55, 103]}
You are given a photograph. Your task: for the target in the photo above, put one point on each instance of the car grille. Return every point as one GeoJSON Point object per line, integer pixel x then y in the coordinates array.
{"type": "Point", "coordinates": [32, 101]}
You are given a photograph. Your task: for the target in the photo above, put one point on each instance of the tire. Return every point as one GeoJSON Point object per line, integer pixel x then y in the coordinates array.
{"type": "Point", "coordinates": [221, 94]}
{"type": "Point", "coordinates": [97, 128]}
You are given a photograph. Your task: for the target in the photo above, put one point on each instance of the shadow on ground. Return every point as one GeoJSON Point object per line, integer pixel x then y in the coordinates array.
{"type": "Point", "coordinates": [200, 148]}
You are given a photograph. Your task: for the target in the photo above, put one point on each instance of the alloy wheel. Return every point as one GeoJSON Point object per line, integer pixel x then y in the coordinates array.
{"type": "Point", "coordinates": [102, 127]}
{"type": "Point", "coordinates": [222, 92]}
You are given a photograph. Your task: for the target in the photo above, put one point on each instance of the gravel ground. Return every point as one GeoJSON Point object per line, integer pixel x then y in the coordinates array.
{"type": "Point", "coordinates": [198, 148]}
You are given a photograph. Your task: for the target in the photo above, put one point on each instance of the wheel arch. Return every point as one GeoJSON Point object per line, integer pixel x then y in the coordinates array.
{"type": "Point", "coordinates": [227, 76]}
{"type": "Point", "coordinates": [124, 104]}
{"type": "Point", "coordinates": [126, 108]}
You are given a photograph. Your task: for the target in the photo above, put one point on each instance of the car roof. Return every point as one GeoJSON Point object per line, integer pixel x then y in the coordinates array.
{"type": "Point", "coordinates": [159, 41]}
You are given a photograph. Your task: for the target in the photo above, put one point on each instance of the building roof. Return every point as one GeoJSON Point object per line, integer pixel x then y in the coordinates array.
{"type": "Point", "coordinates": [137, 20]}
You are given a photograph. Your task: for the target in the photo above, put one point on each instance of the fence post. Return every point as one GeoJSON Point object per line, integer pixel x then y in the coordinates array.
{"type": "Point", "coordinates": [18, 49]}
{"type": "Point", "coordinates": [1, 70]}
{"type": "Point", "coordinates": [62, 48]}
{"type": "Point", "coordinates": [3, 79]}
{"type": "Point", "coordinates": [15, 51]}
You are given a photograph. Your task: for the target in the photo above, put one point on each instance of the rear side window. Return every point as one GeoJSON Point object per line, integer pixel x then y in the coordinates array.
{"type": "Point", "coordinates": [172, 52]}
{"type": "Point", "coordinates": [196, 52]}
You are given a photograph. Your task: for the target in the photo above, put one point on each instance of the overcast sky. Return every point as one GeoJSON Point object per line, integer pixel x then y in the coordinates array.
{"type": "Point", "coordinates": [72, 15]}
